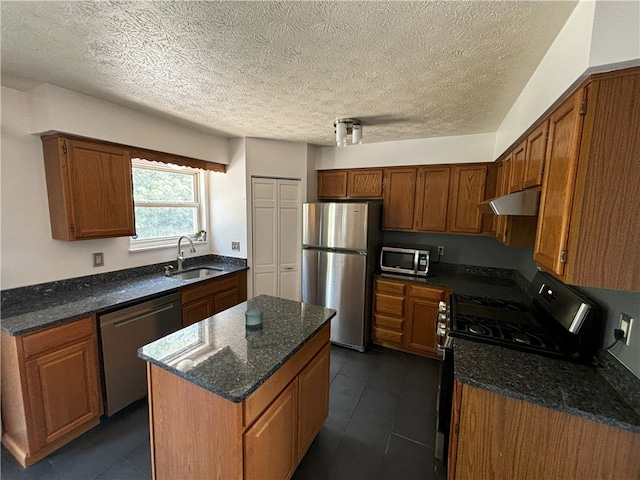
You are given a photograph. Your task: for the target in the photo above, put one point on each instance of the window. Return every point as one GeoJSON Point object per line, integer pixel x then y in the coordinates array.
{"type": "Point", "coordinates": [169, 203]}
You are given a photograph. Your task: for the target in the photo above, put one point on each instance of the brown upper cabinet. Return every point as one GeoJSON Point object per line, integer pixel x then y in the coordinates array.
{"type": "Point", "coordinates": [332, 184]}
{"type": "Point", "coordinates": [432, 198]}
{"type": "Point", "coordinates": [353, 183]}
{"type": "Point", "coordinates": [365, 183]}
{"type": "Point", "coordinates": [90, 189]}
{"type": "Point", "coordinates": [536, 150]}
{"type": "Point", "coordinates": [399, 198]}
{"type": "Point", "coordinates": [516, 175]}
{"type": "Point", "coordinates": [439, 198]}
{"type": "Point", "coordinates": [590, 208]}
{"type": "Point", "coordinates": [466, 191]}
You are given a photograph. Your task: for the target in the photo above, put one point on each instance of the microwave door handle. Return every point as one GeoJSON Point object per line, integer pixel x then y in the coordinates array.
{"type": "Point", "coordinates": [416, 262]}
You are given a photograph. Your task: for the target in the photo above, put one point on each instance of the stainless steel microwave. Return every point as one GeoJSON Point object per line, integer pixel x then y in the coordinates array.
{"type": "Point", "coordinates": [404, 260]}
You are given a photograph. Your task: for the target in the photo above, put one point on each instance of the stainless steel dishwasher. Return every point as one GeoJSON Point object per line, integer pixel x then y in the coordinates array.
{"type": "Point", "coordinates": [124, 331]}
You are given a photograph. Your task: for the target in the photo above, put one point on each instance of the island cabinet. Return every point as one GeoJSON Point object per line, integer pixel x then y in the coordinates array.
{"type": "Point", "coordinates": [405, 315]}
{"type": "Point", "coordinates": [494, 436]}
{"type": "Point", "coordinates": [89, 187]}
{"type": "Point", "coordinates": [227, 402]}
{"type": "Point", "coordinates": [589, 208]}
{"type": "Point", "coordinates": [51, 391]}
{"type": "Point", "coordinates": [210, 297]}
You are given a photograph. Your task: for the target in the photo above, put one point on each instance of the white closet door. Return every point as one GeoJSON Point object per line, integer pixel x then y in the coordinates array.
{"type": "Point", "coordinates": [290, 238]}
{"type": "Point", "coordinates": [265, 222]}
{"type": "Point", "coordinates": [277, 237]}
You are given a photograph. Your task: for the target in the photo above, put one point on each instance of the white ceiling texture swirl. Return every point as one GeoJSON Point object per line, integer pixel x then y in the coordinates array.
{"type": "Point", "coordinates": [287, 70]}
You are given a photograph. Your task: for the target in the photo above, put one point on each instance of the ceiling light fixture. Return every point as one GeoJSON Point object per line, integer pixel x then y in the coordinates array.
{"type": "Point", "coordinates": [345, 127]}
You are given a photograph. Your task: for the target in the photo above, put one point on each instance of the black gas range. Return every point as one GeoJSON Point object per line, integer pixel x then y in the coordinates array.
{"type": "Point", "coordinates": [558, 321]}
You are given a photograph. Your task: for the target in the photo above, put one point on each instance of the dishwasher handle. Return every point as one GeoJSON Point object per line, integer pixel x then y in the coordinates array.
{"type": "Point", "coordinates": [120, 323]}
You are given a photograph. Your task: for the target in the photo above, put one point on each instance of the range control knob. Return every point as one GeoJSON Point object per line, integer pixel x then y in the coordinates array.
{"type": "Point", "coordinates": [442, 307]}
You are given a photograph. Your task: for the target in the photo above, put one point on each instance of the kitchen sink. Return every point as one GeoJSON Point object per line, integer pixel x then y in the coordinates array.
{"type": "Point", "coordinates": [199, 272]}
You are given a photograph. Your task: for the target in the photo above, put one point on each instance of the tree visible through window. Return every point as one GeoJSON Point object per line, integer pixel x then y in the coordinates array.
{"type": "Point", "coordinates": [167, 200]}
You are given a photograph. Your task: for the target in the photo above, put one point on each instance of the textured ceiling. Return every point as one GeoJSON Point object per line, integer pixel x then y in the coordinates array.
{"type": "Point", "coordinates": [287, 70]}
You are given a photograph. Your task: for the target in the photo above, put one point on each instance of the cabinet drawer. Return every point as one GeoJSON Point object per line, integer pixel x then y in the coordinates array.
{"type": "Point", "coordinates": [389, 304]}
{"type": "Point", "coordinates": [390, 323]}
{"type": "Point", "coordinates": [393, 288]}
{"type": "Point", "coordinates": [426, 292]}
{"type": "Point", "coordinates": [211, 287]}
{"type": "Point", "coordinates": [382, 335]}
{"type": "Point", "coordinates": [56, 337]}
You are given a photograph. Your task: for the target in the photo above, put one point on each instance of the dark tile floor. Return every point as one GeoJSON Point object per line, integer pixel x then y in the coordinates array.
{"type": "Point", "coordinates": [381, 426]}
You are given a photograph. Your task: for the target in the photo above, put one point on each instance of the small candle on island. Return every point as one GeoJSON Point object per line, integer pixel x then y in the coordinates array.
{"type": "Point", "coordinates": [253, 318]}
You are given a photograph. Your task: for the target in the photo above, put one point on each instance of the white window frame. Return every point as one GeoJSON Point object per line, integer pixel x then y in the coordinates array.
{"type": "Point", "coordinates": [201, 196]}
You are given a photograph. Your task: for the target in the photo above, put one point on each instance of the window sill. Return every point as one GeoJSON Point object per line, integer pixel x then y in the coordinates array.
{"type": "Point", "coordinates": [146, 248]}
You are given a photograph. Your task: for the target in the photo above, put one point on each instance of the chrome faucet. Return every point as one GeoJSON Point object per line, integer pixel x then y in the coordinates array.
{"type": "Point", "coordinates": [192, 249]}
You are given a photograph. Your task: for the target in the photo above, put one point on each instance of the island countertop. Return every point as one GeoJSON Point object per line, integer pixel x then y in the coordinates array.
{"type": "Point", "coordinates": [222, 356]}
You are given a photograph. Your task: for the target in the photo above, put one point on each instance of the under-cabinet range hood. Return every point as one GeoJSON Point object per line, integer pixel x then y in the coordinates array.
{"type": "Point", "coordinates": [524, 203]}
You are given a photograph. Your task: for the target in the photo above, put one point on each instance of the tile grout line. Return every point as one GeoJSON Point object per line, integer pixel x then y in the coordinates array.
{"type": "Point", "coordinates": [411, 440]}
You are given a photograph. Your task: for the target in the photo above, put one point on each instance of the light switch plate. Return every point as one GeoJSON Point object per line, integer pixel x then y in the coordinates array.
{"type": "Point", "coordinates": [235, 246]}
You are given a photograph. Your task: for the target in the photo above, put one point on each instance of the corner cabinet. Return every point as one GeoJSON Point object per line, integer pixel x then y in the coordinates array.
{"type": "Point", "coordinates": [590, 210]}
{"type": "Point", "coordinates": [466, 191]}
{"type": "Point", "coordinates": [213, 296]}
{"type": "Point", "coordinates": [89, 187]}
{"type": "Point", "coordinates": [494, 436]}
{"type": "Point", "coordinates": [405, 315]}
{"type": "Point", "coordinates": [51, 391]}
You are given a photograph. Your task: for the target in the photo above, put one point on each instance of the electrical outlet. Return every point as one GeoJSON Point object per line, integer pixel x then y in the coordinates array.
{"type": "Point", "coordinates": [625, 325]}
{"type": "Point", "coordinates": [440, 250]}
{"type": "Point", "coordinates": [235, 246]}
{"type": "Point", "coordinates": [98, 259]}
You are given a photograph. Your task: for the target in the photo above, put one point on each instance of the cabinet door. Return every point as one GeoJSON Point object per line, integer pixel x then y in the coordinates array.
{"type": "Point", "coordinates": [422, 313]}
{"type": "Point", "coordinates": [465, 193]}
{"type": "Point", "coordinates": [399, 198]}
{"type": "Point", "coordinates": [224, 300]}
{"type": "Point", "coordinates": [64, 390]}
{"type": "Point", "coordinates": [501, 221]}
{"type": "Point", "coordinates": [197, 310]}
{"type": "Point", "coordinates": [313, 399]}
{"type": "Point", "coordinates": [565, 126]}
{"type": "Point", "coordinates": [100, 190]}
{"type": "Point", "coordinates": [365, 183]}
{"type": "Point", "coordinates": [432, 198]}
{"type": "Point", "coordinates": [517, 168]}
{"type": "Point", "coordinates": [332, 184]}
{"type": "Point", "coordinates": [536, 150]}
{"type": "Point", "coordinates": [270, 449]}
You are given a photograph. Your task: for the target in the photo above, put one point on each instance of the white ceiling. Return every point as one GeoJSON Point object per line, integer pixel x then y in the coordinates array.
{"type": "Point", "coordinates": [287, 70]}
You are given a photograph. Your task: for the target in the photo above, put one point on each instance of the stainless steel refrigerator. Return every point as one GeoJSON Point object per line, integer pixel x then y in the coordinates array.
{"type": "Point", "coordinates": [340, 251]}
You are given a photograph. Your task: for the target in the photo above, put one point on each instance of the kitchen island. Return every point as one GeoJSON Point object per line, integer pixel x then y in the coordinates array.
{"type": "Point", "coordinates": [227, 402]}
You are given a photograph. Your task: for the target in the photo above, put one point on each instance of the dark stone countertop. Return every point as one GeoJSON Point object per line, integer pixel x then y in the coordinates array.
{"type": "Point", "coordinates": [498, 283]}
{"type": "Point", "coordinates": [217, 355]}
{"type": "Point", "coordinates": [29, 309]}
{"type": "Point", "coordinates": [561, 385]}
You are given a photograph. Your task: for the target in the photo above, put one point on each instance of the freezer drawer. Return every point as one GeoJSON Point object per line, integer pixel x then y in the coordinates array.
{"type": "Point", "coordinates": [338, 280]}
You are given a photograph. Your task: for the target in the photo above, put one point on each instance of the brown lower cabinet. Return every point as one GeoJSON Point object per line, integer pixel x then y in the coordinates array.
{"type": "Point", "coordinates": [493, 436]}
{"type": "Point", "coordinates": [404, 316]}
{"type": "Point", "coordinates": [198, 434]}
{"type": "Point", "coordinates": [213, 296]}
{"type": "Point", "coordinates": [51, 389]}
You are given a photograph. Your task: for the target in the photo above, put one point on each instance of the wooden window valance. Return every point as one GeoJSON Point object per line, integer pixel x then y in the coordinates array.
{"type": "Point", "coordinates": [173, 159]}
